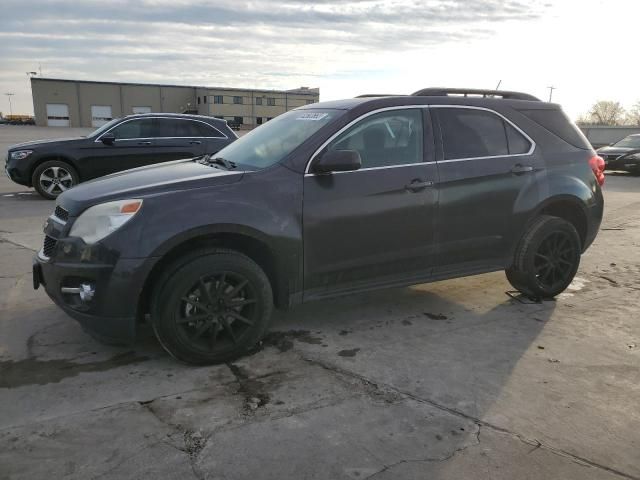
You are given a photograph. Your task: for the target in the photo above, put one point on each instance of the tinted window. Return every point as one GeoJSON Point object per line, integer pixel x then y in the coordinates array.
{"type": "Point", "coordinates": [142, 128]}
{"type": "Point", "coordinates": [201, 129]}
{"type": "Point", "coordinates": [517, 143]}
{"type": "Point", "coordinates": [385, 139]}
{"type": "Point", "coordinates": [468, 133]}
{"type": "Point", "coordinates": [632, 141]}
{"type": "Point", "coordinates": [560, 125]}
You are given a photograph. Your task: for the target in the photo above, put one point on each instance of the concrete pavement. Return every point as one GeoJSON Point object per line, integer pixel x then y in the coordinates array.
{"type": "Point", "coordinates": [447, 380]}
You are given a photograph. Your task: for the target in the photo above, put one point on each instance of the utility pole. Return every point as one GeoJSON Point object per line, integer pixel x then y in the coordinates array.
{"type": "Point", "coordinates": [498, 86]}
{"type": "Point", "coordinates": [10, 107]}
{"type": "Point", "coordinates": [551, 89]}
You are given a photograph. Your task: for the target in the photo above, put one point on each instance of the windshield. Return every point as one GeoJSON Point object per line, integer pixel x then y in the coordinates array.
{"type": "Point", "coordinates": [632, 141]}
{"type": "Point", "coordinates": [271, 142]}
{"type": "Point", "coordinates": [103, 128]}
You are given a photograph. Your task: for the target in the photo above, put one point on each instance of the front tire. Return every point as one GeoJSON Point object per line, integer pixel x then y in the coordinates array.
{"type": "Point", "coordinates": [52, 178]}
{"type": "Point", "coordinates": [546, 259]}
{"type": "Point", "coordinates": [211, 306]}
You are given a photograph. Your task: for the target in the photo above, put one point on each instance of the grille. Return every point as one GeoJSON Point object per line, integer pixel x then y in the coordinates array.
{"type": "Point", "coordinates": [49, 245]}
{"type": "Point", "coordinates": [61, 213]}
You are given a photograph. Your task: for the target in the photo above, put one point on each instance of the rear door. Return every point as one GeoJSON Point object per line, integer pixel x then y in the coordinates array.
{"type": "Point", "coordinates": [374, 225]}
{"type": "Point", "coordinates": [484, 163]}
{"type": "Point", "coordinates": [178, 138]}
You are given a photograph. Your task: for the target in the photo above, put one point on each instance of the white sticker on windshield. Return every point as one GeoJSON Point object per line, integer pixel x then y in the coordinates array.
{"type": "Point", "coordinates": [311, 116]}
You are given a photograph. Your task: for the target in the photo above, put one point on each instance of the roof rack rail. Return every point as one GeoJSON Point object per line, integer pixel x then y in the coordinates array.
{"type": "Point", "coordinates": [368, 95]}
{"type": "Point", "coordinates": [445, 92]}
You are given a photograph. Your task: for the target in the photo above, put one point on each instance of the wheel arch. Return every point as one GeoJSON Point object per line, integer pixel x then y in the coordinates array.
{"type": "Point", "coordinates": [247, 241]}
{"type": "Point", "coordinates": [50, 157]}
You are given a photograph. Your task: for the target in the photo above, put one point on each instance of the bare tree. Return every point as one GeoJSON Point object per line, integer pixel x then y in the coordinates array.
{"type": "Point", "coordinates": [605, 112]}
{"type": "Point", "coordinates": [633, 115]}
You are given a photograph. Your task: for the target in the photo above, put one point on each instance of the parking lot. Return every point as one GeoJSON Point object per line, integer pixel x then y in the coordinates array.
{"type": "Point", "coordinates": [448, 380]}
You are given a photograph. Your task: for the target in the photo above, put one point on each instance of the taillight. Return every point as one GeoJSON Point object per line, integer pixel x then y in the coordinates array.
{"type": "Point", "coordinates": [597, 165]}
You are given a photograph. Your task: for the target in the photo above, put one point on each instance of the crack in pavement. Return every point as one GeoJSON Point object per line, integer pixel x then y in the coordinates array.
{"type": "Point", "coordinates": [15, 244]}
{"type": "Point", "coordinates": [428, 459]}
{"type": "Point", "coordinates": [477, 421]}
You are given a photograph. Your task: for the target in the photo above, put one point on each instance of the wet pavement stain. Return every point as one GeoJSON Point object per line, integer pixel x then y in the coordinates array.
{"type": "Point", "coordinates": [283, 341]}
{"type": "Point", "coordinates": [435, 316]}
{"type": "Point", "coordinates": [349, 353]}
{"type": "Point", "coordinates": [32, 371]}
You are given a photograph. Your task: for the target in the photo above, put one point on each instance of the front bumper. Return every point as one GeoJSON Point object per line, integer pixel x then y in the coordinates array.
{"type": "Point", "coordinates": [18, 170]}
{"type": "Point", "coordinates": [111, 315]}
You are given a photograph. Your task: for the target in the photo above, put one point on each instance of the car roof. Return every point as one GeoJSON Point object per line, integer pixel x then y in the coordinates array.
{"type": "Point", "coordinates": [176, 115]}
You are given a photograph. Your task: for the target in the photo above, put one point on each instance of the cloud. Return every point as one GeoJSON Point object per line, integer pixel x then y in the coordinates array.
{"type": "Point", "coordinates": [266, 44]}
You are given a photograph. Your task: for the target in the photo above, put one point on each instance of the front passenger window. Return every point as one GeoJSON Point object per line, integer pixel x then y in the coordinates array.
{"type": "Point", "coordinates": [134, 129]}
{"type": "Point", "coordinates": [385, 139]}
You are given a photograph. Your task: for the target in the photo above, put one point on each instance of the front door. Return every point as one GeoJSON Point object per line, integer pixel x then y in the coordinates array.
{"type": "Point", "coordinates": [374, 225]}
{"type": "Point", "coordinates": [134, 147]}
{"type": "Point", "coordinates": [484, 164]}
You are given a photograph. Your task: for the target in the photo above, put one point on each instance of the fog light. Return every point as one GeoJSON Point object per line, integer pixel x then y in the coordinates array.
{"type": "Point", "coordinates": [85, 290]}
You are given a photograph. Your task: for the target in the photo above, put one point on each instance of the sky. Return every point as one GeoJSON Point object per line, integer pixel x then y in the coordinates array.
{"type": "Point", "coordinates": [586, 49]}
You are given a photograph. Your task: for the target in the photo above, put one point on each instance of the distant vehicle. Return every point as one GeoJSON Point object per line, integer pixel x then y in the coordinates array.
{"type": "Point", "coordinates": [4, 121]}
{"type": "Point", "coordinates": [53, 166]}
{"type": "Point", "coordinates": [328, 199]}
{"type": "Point", "coordinates": [623, 155]}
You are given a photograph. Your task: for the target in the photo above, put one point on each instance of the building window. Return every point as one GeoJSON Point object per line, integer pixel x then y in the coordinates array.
{"type": "Point", "coordinates": [217, 99]}
{"type": "Point", "coordinates": [309, 102]}
{"type": "Point", "coordinates": [198, 100]}
{"type": "Point", "coordinates": [259, 120]}
{"type": "Point", "coordinates": [204, 99]}
{"type": "Point", "coordinates": [237, 100]}
{"type": "Point", "coordinates": [258, 100]}
{"type": "Point", "coordinates": [238, 120]}
{"type": "Point", "coordinates": [271, 101]}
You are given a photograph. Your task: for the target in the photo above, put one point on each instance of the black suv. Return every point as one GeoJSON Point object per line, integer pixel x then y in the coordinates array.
{"type": "Point", "coordinates": [623, 155]}
{"type": "Point", "coordinates": [53, 166]}
{"type": "Point", "coordinates": [328, 199]}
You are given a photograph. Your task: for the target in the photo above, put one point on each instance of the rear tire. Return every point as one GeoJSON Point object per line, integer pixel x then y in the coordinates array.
{"type": "Point", "coordinates": [52, 178]}
{"type": "Point", "coordinates": [211, 306]}
{"type": "Point", "coordinates": [546, 259]}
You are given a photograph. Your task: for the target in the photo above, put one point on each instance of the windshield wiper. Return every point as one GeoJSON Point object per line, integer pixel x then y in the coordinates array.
{"type": "Point", "coordinates": [223, 162]}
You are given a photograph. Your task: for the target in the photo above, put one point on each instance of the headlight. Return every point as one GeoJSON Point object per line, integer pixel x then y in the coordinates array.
{"type": "Point", "coordinates": [20, 154]}
{"type": "Point", "coordinates": [98, 221]}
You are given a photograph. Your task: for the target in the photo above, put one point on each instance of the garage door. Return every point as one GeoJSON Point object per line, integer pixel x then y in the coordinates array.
{"type": "Point", "coordinates": [100, 114]}
{"type": "Point", "coordinates": [57, 115]}
{"type": "Point", "coordinates": [141, 109]}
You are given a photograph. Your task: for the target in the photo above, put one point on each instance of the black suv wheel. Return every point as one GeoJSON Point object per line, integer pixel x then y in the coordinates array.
{"type": "Point", "coordinates": [546, 259]}
{"type": "Point", "coordinates": [52, 178]}
{"type": "Point", "coordinates": [211, 306]}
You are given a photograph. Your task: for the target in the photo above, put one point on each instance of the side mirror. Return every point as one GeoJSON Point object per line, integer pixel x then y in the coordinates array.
{"type": "Point", "coordinates": [338, 161]}
{"type": "Point", "coordinates": [108, 139]}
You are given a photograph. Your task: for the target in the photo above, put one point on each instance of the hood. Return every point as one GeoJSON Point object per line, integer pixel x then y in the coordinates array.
{"type": "Point", "coordinates": [146, 181]}
{"type": "Point", "coordinates": [615, 150]}
{"type": "Point", "coordinates": [44, 143]}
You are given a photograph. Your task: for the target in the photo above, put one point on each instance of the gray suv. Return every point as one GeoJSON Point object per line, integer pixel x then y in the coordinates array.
{"type": "Point", "coordinates": [329, 199]}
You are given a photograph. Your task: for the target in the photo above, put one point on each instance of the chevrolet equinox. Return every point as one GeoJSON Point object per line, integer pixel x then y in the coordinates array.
{"type": "Point", "coordinates": [327, 199]}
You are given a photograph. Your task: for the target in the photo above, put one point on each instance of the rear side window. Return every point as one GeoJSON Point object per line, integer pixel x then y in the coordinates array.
{"type": "Point", "coordinates": [470, 133]}
{"type": "Point", "coordinates": [559, 124]}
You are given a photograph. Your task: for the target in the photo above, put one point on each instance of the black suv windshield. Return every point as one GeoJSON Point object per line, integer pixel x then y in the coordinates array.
{"type": "Point", "coordinates": [274, 140]}
{"type": "Point", "coordinates": [632, 141]}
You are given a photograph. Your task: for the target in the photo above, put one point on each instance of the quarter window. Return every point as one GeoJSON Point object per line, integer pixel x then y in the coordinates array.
{"type": "Point", "coordinates": [134, 129]}
{"type": "Point", "coordinates": [385, 139]}
{"type": "Point", "coordinates": [470, 133]}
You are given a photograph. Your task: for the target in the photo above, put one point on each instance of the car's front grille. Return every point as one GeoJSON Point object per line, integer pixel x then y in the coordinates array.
{"type": "Point", "coordinates": [49, 246]}
{"type": "Point", "coordinates": [61, 213]}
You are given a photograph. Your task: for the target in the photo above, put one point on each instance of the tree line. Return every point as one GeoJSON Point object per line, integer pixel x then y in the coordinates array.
{"type": "Point", "coordinates": [607, 112]}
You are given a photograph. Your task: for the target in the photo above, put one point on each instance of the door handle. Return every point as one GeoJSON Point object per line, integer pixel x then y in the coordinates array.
{"type": "Point", "coordinates": [519, 169]}
{"type": "Point", "coordinates": [195, 142]}
{"type": "Point", "coordinates": [417, 185]}
{"type": "Point", "coordinates": [144, 143]}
